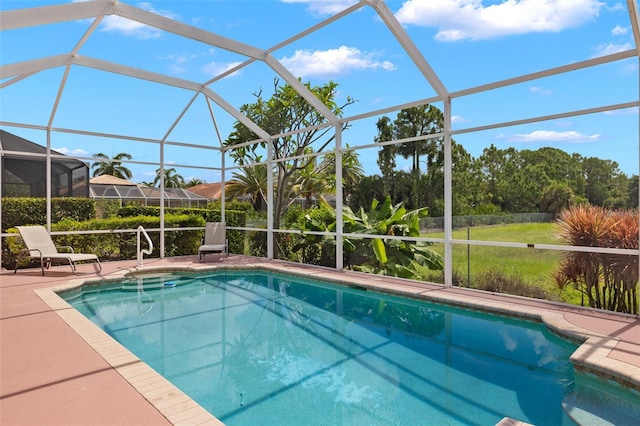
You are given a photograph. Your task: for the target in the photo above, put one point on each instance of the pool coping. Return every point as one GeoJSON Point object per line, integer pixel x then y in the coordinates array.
{"type": "Point", "coordinates": [592, 356]}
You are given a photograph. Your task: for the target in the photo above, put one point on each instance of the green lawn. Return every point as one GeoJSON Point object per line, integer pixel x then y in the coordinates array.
{"type": "Point", "coordinates": [532, 266]}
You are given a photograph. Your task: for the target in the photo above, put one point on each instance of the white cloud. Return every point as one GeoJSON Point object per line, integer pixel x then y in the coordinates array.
{"type": "Point", "coordinates": [564, 123]}
{"type": "Point", "coordinates": [618, 30]}
{"type": "Point", "coordinates": [611, 48]}
{"type": "Point", "coordinates": [540, 90]}
{"type": "Point", "coordinates": [332, 62]}
{"type": "Point", "coordinates": [129, 28]}
{"type": "Point", "coordinates": [78, 152]}
{"type": "Point", "coordinates": [216, 68]}
{"type": "Point", "coordinates": [616, 7]}
{"type": "Point", "coordinates": [179, 61]}
{"type": "Point", "coordinates": [457, 119]}
{"type": "Point", "coordinates": [630, 68]}
{"type": "Point", "coordinates": [325, 7]}
{"type": "Point", "coordinates": [471, 19]}
{"type": "Point", "coordinates": [553, 136]}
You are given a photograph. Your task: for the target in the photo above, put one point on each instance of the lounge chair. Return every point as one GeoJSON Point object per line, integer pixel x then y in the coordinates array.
{"type": "Point", "coordinates": [215, 240]}
{"type": "Point", "coordinates": [40, 245]}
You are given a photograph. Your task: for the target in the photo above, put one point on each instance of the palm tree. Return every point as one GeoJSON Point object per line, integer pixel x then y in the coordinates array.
{"type": "Point", "coordinates": [313, 180]}
{"type": "Point", "coordinates": [111, 166]}
{"type": "Point", "coordinates": [193, 182]}
{"type": "Point", "coordinates": [171, 178]}
{"type": "Point", "coordinates": [252, 181]}
{"type": "Point", "coordinates": [352, 171]}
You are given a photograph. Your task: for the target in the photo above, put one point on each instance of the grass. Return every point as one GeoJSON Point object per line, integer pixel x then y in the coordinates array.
{"type": "Point", "coordinates": [532, 267]}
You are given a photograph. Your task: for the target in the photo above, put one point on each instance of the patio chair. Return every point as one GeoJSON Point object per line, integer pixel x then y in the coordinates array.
{"type": "Point", "coordinates": [214, 240]}
{"type": "Point", "coordinates": [40, 245]}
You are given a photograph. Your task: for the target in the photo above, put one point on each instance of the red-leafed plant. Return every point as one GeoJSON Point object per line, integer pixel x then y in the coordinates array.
{"type": "Point", "coordinates": [608, 280]}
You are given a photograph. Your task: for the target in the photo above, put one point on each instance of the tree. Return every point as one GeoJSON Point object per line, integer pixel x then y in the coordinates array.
{"type": "Point", "coordinates": [558, 165]}
{"type": "Point", "coordinates": [387, 154]}
{"type": "Point", "coordinates": [522, 189]}
{"type": "Point", "coordinates": [111, 166]}
{"type": "Point", "coordinates": [606, 185]}
{"type": "Point", "coordinates": [352, 171]}
{"type": "Point", "coordinates": [632, 200]}
{"type": "Point", "coordinates": [171, 178]}
{"type": "Point", "coordinates": [556, 197]}
{"type": "Point", "coordinates": [410, 123]}
{"type": "Point", "coordinates": [193, 182]}
{"type": "Point", "coordinates": [286, 113]}
{"type": "Point", "coordinates": [251, 181]}
{"type": "Point", "coordinates": [368, 188]}
{"type": "Point", "coordinates": [497, 165]}
{"type": "Point", "coordinates": [465, 179]}
{"type": "Point", "coordinates": [313, 181]}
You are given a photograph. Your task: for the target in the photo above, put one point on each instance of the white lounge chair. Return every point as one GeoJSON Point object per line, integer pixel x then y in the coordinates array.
{"type": "Point", "coordinates": [40, 245]}
{"type": "Point", "coordinates": [215, 240]}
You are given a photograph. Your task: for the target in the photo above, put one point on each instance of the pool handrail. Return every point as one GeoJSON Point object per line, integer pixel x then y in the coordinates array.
{"type": "Point", "coordinates": [146, 251]}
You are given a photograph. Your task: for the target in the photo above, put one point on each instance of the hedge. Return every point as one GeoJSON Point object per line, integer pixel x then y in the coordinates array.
{"type": "Point", "coordinates": [118, 245]}
{"type": "Point", "coordinates": [23, 210]}
{"type": "Point", "coordinates": [233, 218]}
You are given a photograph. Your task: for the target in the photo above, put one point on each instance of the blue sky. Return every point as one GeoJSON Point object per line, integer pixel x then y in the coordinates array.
{"type": "Point", "coordinates": [467, 43]}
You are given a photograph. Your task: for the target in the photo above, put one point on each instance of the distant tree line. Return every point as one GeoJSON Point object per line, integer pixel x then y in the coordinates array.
{"type": "Point", "coordinates": [545, 180]}
{"type": "Point", "coordinates": [508, 180]}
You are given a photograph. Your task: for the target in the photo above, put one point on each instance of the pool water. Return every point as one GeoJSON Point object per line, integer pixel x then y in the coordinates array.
{"type": "Point", "coordinates": [264, 348]}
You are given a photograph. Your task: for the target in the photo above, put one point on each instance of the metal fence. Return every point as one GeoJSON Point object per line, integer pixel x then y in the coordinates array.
{"type": "Point", "coordinates": [437, 223]}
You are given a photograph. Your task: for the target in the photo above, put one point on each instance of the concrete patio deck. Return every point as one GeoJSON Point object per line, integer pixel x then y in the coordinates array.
{"type": "Point", "coordinates": [50, 374]}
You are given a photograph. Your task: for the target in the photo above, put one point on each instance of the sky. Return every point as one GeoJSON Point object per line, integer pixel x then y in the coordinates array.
{"type": "Point", "coordinates": [467, 43]}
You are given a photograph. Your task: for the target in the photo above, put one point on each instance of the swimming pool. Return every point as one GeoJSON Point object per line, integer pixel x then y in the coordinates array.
{"type": "Point", "coordinates": [277, 349]}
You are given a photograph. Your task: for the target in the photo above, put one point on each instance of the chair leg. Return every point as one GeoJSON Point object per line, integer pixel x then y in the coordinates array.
{"type": "Point", "coordinates": [20, 256]}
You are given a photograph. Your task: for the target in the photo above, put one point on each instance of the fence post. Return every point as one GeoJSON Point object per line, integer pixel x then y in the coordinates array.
{"type": "Point", "coordinates": [468, 257]}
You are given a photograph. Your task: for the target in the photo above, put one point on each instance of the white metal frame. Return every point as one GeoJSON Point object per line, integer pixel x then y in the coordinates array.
{"type": "Point", "coordinates": [99, 9]}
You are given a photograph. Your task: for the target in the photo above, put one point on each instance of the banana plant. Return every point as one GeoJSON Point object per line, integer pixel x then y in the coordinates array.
{"type": "Point", "coordinates": [380, 255]}
{"type": "Point", "coordinates": [399, 258]}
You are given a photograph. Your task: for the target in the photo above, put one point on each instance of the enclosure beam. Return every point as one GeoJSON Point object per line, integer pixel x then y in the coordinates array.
{"type": "Point", "coordinates": [339, 196]}
{"type": "Point", "coordinates": [270, 239]}
{"type": "Point", "coordinates": [22, 18]}
{"type": "Point", "coordinates": [448, 197]}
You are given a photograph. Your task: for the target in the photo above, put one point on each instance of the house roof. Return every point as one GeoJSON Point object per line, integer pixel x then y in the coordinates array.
{"type": "Point", "coordinates": [13, 146]}
{"type": "Point", "coordinates": [110, 180]}
{"type": "Point", "coordinates": [210, 191]}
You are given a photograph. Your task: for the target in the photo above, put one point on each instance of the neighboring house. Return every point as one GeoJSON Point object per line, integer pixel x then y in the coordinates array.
{"type": "Point", "coordinates": [24, 170]}
{"type": "Point", "coordinates": [107, 187]}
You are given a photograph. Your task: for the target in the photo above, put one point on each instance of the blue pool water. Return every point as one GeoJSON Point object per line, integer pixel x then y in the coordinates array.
{"type": "Point", "coordinates": [263, 348]}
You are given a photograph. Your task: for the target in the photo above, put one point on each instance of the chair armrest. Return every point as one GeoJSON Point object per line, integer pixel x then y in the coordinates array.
{"type": "Point", "coordinates": [68, 249]}
{"type": "Point", "coordinates": [26, 250]}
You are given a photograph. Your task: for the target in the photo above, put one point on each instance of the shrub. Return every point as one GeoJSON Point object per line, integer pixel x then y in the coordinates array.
{"type": "Point", "coordinates": [257, 242]}
{"type": "Point", "coordinates": [609, 281]}
{"type": "Point", "coordinates": [515, 285]}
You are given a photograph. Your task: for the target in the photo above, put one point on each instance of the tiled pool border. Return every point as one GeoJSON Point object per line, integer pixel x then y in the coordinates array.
{"type": "Point", "coordinates": [179, 409]}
